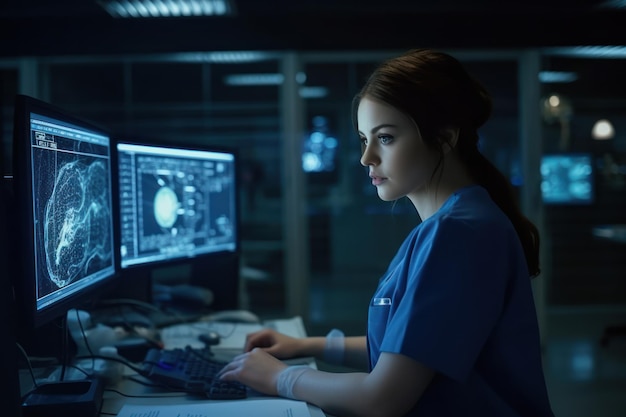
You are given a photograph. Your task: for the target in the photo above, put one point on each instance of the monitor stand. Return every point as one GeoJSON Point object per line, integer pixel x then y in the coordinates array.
{"type": "Point", "coordinates": [80, 398]}
{"type": "Point", "coordinates": [51, 342]}
{"type": "Point", "coordinates": [220, 274]}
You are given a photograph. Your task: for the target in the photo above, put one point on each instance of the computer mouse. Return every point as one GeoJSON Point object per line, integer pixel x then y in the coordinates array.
{"type": "Point", "coordinates": [209, 338]}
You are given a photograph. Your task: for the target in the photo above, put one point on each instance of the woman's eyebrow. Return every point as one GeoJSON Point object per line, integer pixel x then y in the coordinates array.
{"type": "Point", "coordinates": [380, 126]}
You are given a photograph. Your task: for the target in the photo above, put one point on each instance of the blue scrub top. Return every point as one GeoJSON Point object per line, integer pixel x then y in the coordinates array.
{"type": "Point", "coordinates": [457, 298]}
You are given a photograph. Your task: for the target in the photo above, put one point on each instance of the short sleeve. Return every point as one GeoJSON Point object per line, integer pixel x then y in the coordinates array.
{"type": "Point", "coordinates": [448, 296]}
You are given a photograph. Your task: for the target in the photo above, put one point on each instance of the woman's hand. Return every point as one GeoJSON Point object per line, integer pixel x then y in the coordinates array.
{"type": "Point", "coordinates": [257, 369]}
{"type": "Point", "coordinates": [276, 344]}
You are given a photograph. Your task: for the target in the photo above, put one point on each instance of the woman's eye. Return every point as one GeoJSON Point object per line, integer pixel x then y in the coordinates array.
{"type": "Point", "coordinates": [385, 139]}
{"type": "Point", "coordinates": [363, 140]}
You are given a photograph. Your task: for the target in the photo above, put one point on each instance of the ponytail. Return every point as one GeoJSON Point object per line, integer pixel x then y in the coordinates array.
{"type": "Point", "coordinates": [503, 194]}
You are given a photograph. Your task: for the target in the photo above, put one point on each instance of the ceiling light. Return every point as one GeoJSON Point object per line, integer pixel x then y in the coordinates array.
{"type": "Point", "coordinates": [223, 57]}
{"type": "Point", "coordinates": [556, 106]}
{"type": "Point", "coordinates": [613, 4]}
{"type": "Point", "coordinates": [313, 92]}
{"type": "Point", "coordinates": [599, 52]}
{"type": "Point", "coordinates": [557, 77]}
{"type": "Point", "coordinates": [603, 130]}
{"type": "Point", "coordinates": [254, 79]}
{"type": "Point", "coordinates": [166, 8]}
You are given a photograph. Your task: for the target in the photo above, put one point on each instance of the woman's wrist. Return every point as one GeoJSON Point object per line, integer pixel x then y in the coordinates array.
{"type": "Point", "coordinates": [287, 379]}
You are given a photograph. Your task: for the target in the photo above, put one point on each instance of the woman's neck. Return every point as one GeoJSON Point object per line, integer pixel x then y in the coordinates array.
{"type": "Point", "coordinates": [452, 178]}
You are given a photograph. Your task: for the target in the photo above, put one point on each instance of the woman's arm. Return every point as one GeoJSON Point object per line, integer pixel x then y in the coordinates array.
{"type": "Point", "coordinates": [391, 389]}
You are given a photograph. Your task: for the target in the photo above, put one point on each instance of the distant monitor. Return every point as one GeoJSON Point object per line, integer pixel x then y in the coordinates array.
{"type": "Point", "coordinates": [567, 178]}
{"type": "Point", "coordinates": [175, 202]}
{"type": "Point", "coordinates": [319, 152]}
{"type": "Point", "coordinates": [63, 214]}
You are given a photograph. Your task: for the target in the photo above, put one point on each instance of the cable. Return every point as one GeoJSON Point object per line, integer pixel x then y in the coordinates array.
{"type": "Point", "coordinates": [84, 336]}
{"type": "Point", "coordinates": [78, 368]}
{"type": "Point", "coordinates": [137, 396]}
{"type": "Point", "coordinates": [116, 302]}
{"type": "Point", "coordinates": [65, 355]}
{"type": "Point", "coordinates": [215, 326]}
{"type": "Point", "coordinates": [158, 316]}
{"type": "Point", "coordinates": [145, 396]}
{"type": "Point", "coordinates": [30, 366]}
{"type": "Point", "coordinates": [156, 385]}
{"type": "Point", "coordinates": [112, 358]}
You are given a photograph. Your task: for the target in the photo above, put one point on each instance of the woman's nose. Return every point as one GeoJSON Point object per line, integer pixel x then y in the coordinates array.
{"type": "Point", "coordinates": [368, 157]}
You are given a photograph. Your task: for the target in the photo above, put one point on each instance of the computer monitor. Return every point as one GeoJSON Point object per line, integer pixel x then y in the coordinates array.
{"type": "Point", "coordinates": [178, 204]}
{"type": "Point", "coordinates": [567, 178]}
{"type": "Point", "coordinates": [63, 213]}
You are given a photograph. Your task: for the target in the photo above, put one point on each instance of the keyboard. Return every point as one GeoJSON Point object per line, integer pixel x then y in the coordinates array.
{"type": "Point", "coordinates": [192, 370]}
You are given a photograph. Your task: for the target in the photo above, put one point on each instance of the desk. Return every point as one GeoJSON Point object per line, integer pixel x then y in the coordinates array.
{"type": "Point", "coordinates": [180, 335]}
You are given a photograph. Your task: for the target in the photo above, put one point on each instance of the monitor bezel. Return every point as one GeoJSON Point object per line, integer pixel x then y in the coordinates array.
{"type": "Point", "coordinates": [24, 273]}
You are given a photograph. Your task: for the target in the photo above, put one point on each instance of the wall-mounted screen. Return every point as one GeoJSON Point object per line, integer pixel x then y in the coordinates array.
{"type": "Point", "coordinates": [567, 178]}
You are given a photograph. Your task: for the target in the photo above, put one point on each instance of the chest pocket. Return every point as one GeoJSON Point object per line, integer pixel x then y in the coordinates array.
{"type": "Point", "coordinates": [379, 311]}
{"type": "Point", "coordinates": [379, 314]}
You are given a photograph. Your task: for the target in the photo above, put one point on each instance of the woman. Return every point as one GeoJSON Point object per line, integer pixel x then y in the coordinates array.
{"type": "Point", "coordinates": [452, 327]}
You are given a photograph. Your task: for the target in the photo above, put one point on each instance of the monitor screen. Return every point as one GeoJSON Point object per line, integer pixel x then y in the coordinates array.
{"type": "Point", "coordinates": [63, 210]}
{"type": "Point", "coordinates": [567, 178]}
{"type": "Point", "coordinates": [175, 202]}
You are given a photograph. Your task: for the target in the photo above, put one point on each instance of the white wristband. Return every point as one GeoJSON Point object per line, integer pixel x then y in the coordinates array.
{"type": "Point", "coordinates": [334, 348]}
{"type": "Point", "coordinates": [287, 379]}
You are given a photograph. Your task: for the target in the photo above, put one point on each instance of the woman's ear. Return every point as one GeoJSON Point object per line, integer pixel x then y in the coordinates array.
{"type": "Point", "coordinates": [449, 136]}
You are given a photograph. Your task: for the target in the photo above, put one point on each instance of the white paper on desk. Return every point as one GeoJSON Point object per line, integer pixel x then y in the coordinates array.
{"type": "Point", "coordinates": [270, 407]}
{"type": "Point", "coordinates": [232, 335]}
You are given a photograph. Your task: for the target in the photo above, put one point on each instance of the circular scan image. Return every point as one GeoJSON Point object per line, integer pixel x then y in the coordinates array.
{"type": "Point", "coordinates": [166, 207]}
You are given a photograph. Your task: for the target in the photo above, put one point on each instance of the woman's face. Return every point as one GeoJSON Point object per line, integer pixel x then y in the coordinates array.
{"type": "Point", "coordinates": [400, 163]}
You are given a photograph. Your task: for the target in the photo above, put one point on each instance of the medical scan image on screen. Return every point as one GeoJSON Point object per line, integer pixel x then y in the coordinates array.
{"type": "Point", "coordinates": [174, 203]}
{"type": "Point", "coordinates": [72, 210]}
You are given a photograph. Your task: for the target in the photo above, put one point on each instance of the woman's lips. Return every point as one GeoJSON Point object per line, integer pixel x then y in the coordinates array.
{"type": "Point", "coordinates": [377, 180]}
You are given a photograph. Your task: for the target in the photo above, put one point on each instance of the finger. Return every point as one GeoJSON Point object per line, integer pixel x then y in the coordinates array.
{"type": "Point", "coordinates": [248, 346]}
{"type": "Point", "coordinates": [256, 340]}
{"type": "Point", "coordinates": [224, 374]}
{"type": "Point", "coordinates": [234, 363]}
{"type": "Point", "coordinates": [225, 369]}
{"type": "Point", "coordinates": [239, 357]}
{"type": "Point", "coordinates": [251, 342]}
{"type": "Point", "coordinates": [228, 368]}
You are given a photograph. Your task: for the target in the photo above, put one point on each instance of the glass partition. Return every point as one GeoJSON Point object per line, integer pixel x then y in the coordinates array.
{"type": "Point", "coordinates": [583, 101]}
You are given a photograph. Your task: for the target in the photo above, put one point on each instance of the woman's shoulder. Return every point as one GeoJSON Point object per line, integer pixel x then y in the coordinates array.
{"type": "Point", "coordinates": [472, 215]}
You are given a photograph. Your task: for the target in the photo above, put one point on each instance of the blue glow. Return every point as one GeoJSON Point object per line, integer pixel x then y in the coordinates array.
{"type": "Point", "coordinates": [557, 77]}
{"type": "Point", "coordinates": [166, 8]}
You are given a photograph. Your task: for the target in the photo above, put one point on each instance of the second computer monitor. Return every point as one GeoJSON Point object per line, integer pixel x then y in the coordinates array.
{"type": "Point", "coordinates": [175, 202]}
